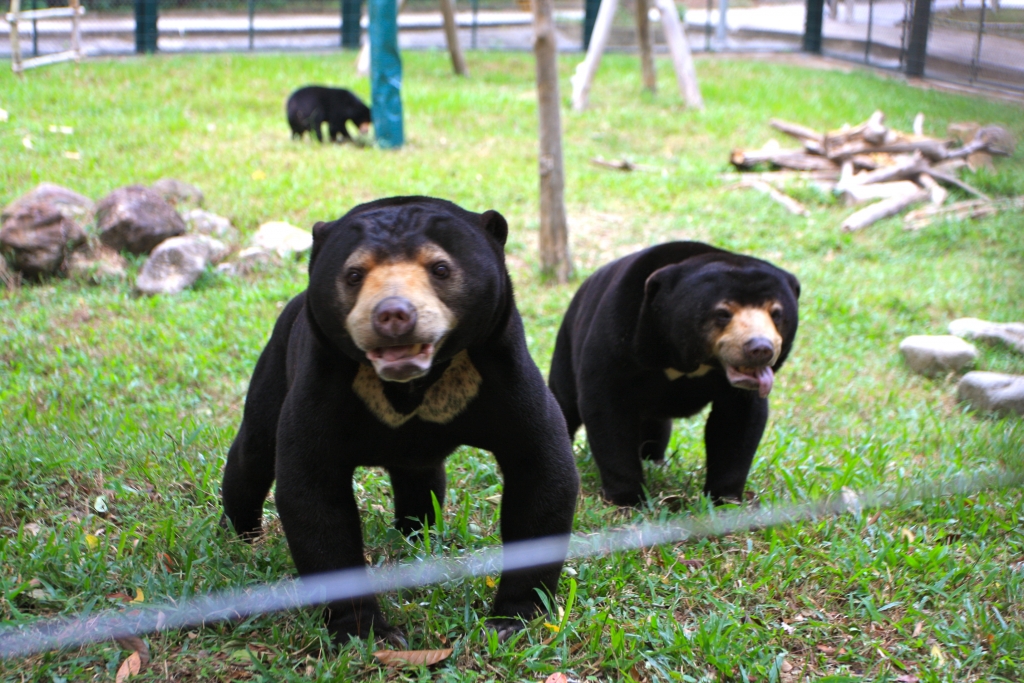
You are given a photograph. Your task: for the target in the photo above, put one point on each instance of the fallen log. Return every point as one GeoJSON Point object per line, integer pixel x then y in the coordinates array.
{"type": "Point", "coordinates": [883, 209]}
{"type": "Point", "coordinates": [935, 150]}
{"type": "Point", "coordinates": [801, 133]}
{"type": "Point", "coordinates": [909, 168]}
{"type": "Point", "coordinates": [956, 182]}
{"type": "Point", "coordinates": [936, 192]}
{"type": "Point", "coordinates": [796, 160]}
{"type": "Point", "coordinates": [790, 204]}
{"type": "Point", "coordinates": [858, 194]}
{"type": "Point", "coordinates": [620, 164]}
{"type": "Point", "coordinates": [875, 130]}
{"type": "Point", "coordinates": [971, 208]}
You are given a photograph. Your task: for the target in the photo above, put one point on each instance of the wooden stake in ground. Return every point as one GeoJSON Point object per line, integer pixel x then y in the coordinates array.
{"type": "Point", "coordinates": [643, 39]}
{"type": "Point", "coordinates": [451, 33]}
{"type": "Point", "coordinates": [682, 60]}
{"type": "Point", "coordinates": [583, 78]}
{"type": "Point", "coordinates": [554, 233]}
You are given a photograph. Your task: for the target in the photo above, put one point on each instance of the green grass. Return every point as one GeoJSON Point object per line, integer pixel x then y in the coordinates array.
{"type": "Point", "coordinates": [137, 399]}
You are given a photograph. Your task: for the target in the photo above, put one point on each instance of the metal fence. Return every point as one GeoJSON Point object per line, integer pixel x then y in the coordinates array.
{"type": "Point", "coordinates": [970, 41]}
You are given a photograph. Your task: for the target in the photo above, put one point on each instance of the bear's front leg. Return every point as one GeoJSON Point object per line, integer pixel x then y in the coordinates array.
{"type": "Point", "coordinates": [321, 523]}
{"type": "Point", "coordinates": [538, 502]}
{"type": "Point", "coordinates": [731, 436]}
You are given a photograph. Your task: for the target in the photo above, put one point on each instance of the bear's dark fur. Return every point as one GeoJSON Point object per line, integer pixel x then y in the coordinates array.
{"type": "Point", "coordinates": [406, 344]}
{"type": "Point", "coordinates": [310, 106]}
{"type": "Point", "coordinates": [660, 334]}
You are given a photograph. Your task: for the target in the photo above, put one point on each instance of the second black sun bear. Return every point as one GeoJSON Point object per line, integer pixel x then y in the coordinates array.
{"type": "Point", "coordinates": [406, 344]}
{"type": "Point", "coordinates": [661, 333]}
{"type": "Point", "coordinates": [308, 108]}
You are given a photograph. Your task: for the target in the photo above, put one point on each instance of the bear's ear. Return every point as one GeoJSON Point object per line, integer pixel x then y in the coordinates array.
{"type": "Point", "coordinates": [320, 230]}
{"type": "Point", "coordinates": [794, 284]}
{"type": "Point", "coordinates": [662, 276]}
{"type": "Point", "coordinates": [650, 342]}
{"type": "Point", "coordinates": [495, 224]}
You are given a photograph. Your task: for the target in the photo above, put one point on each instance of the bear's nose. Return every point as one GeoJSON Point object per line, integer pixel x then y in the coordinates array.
{"type": "Point", "coordinates": [758, 350]}
{"type": "Point", "coordinates": [394, 316]}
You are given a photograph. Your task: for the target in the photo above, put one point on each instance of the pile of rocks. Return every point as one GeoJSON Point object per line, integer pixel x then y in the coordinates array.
{"type": "Point", "coordinates": [54, 231]}
{"type": "Point", "coordinates": [987, 391]}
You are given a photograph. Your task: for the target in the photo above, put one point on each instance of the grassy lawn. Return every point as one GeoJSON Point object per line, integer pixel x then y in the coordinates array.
{"type": "Point", "coordinates": [137, 399]}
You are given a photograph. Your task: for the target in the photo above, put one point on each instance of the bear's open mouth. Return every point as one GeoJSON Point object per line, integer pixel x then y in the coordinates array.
{"type": "Point", "coordinates": [401, 363]}
{"type": "Point", "coordinates": [755, 379]}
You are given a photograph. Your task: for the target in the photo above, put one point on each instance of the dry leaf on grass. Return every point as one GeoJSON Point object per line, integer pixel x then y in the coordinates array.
{"type": "Point", "coordinates": [412, 657]}
{"type": "Point", "coordinates": [557, 677]}
{"type": "Point", "coordinates": [907, 678]}
{"type": "Point", "coordinates": [129, 667]}
{"type": "Point", "coordinates": [138, 645]}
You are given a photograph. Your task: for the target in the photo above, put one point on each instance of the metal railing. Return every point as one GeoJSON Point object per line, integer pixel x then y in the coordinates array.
{"type": "Point", "coordinates": [969, 41]}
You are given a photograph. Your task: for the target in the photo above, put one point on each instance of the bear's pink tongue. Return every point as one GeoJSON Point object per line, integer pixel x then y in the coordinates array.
{"type": "Point", "coordinates": [392, 353]}
{"type": "Point", "coordinates": [760, 380]}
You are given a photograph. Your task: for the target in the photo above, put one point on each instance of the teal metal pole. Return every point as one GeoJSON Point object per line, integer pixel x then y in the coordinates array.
{"type": "Point", "coordinates": [385, 74]}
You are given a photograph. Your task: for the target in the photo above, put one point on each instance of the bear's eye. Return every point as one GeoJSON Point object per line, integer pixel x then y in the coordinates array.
{"type": "Point", "coordinates": [723, 315]}
{"type": "Point", "coordinates": [353, 277]}
{"type": "Point", "coordinates": [441, 270]}
{"type": "Point", "coordinates": [776, 314]}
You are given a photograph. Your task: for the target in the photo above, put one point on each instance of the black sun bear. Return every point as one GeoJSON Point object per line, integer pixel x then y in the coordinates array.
{"type": "Point", "coordinates": [661, 333]}
{"type": "Point", "coordinates": [309, 107]}
{"type": "Point", "coordinates": [406, 344]}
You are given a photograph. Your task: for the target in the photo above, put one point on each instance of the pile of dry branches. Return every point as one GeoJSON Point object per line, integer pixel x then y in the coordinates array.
{"type": "Point", "coordinates": [872, 161]}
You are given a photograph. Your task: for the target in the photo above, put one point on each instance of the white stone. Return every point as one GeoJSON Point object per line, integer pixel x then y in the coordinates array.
{"type": "Point", "coordinates": [993, 392]}
{"type": "Point", "coordinates": [1011, 334]}
{"type": "Point", "coordinates": [246, 261]}
{"type": "Point", "coordinates": [283, 238]}
{"type": "Point", "coordinates": [206, 223]}
{"type": "Point", "coordinates": [929, 355]}
{"type": "Point", "coordinates": [176, 263]}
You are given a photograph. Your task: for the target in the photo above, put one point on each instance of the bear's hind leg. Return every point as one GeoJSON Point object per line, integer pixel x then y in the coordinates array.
{"type": "Point", "coordinates": [614, 439]}
{"type": "Point", "coordinates": [413, 502]}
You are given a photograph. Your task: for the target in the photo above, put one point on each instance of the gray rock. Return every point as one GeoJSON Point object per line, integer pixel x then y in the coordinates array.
{"type": "Point", "coordinates": [206, 223]}
{"type": "Point", "coordinates": [96, 262]}
{"type": "Point", "coordinates": [36, 237]}
{"type": "Point", "coordinates": [1011, 334]}
{"type": "Point", "coordinates": [177, 263]}
{"type": "Point", "coordinates": [992, 392]}
{"type": "Point", "coordinates": [930, 355]}
{"type": "Point", "coordinates": [283, 238]}
{"type": "Point", "coordinates": [246, 261]}
{"type": "Point", "coordinates": [68, 202]}
{"type": "Point", "coordinates": [136, 219]}
{"type": "Point", "coordinates": [178, 193]}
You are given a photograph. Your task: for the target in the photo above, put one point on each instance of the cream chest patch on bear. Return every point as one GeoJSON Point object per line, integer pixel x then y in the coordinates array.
{"type": "Point", "coordinates": [442, 402]}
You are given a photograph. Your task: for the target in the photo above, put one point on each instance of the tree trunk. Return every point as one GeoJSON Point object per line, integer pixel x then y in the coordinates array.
{"type": "Point", "coordinates": [643, 35]}
{"type": "Point", "coordinates": [554, 234]}
{"type": "Point", "coordinates": [451, 34]}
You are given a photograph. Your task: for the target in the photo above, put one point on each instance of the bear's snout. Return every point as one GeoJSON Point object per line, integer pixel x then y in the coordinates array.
{"type": "Point", "coordinates": [394, 317]}
{"type": "Point", "coordinates": [758, 351]}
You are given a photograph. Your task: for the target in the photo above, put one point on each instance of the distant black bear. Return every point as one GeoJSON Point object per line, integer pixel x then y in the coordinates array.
{"type": "Point", "coordinates": [406, 345]}
{"type": "Point", "coordinates": [660, 334]}
{"type": "Point", "coordinates": [309, 107]}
